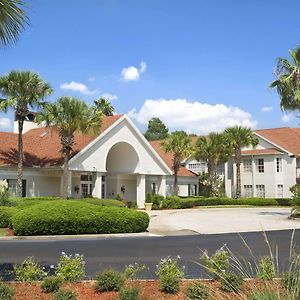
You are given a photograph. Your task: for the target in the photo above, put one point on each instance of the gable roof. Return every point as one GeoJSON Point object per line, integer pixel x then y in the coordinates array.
{"type": "Point", "coordinates": [285, 137]}
{"type": "Point", "coordinates": [168, 158]}
{"type": "Point", "coordinates": [42, 145]}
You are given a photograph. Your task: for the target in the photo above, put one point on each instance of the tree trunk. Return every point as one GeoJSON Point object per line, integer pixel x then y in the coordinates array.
{"type": "Point", "coordinates": [20, 158]}
{"type": "Point", "coordinates": [238, 173]}
{"type": "Point", "coordinates": [212, 175]}
{"type": "Point", "coordinates": [65, 176]}
{"type": "Point", "coordinates": [176, 183]}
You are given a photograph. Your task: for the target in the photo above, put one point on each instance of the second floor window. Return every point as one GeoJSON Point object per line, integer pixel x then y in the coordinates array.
{"type": "Point", "coordinates": [260, 166]}
{"type": "Point", "coordinates": [247, 165]}
{"type": "Point", "coordinates": [278, 165]}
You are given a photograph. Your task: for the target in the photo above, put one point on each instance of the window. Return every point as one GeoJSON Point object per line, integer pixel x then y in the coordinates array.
{"type": "Point", "coordinates": [248, 191]}
{"type": "Point", "coordinates": [153, 188]}
{"type": "Point", "coordinates": [260, 167]}
{"type": "Point", "coordinates": [278, 165]}
{"type": "Point", "coordinates": [86, 177]}
{"type": "Point", "coordinates": [260, 191]}
{"type": "Point", "coordinates": [198, 167]}
{"type": "Point", "coordinates": [280, 190]}
{"type": "Point", "coordinates": [86, 181]}
{"type": "Point", "coordinates": [247, 165]}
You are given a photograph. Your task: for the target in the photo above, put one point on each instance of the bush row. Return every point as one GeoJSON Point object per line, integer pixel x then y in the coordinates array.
{"type": "Point", "coordinates": [77, 217]}
{"type": "Point", "coordinates": [175, 202]}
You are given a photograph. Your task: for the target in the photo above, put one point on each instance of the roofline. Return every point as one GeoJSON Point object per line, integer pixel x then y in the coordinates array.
{"type": "Point", "coordinates": [277, 146]}
{"type": "Point", "coordinates": [105, 132]}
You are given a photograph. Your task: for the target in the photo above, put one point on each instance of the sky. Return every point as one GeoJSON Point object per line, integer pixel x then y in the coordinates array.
{"type": "Point", "coordinates": [198, 65]}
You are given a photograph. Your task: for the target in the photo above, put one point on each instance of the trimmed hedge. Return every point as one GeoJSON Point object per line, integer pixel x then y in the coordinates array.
{"type": "Point", "coordinates": [103, 202]}
{"type": "Point", "coordinates": [191, 202]}
{"type": "Point", "coordinates": [6, 214]}
{"type": "Point", "coordinates": [77, 217]}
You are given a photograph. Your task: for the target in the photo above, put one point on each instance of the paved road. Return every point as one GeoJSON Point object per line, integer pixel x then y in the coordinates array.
{"type": "Point", "coordinates": [118, 252]}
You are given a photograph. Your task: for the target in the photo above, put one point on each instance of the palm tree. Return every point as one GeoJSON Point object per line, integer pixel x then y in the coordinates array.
{"type": "Point", "coordinates": [238, 137]}
{"type": "Point", "coordinates": [22, 90]}
{"type": "Point", "coordinates": [213, 150]}
{"type": "Point", "coordinates": [68, 115]}
{"type": "Point", "coordinates": [180, 145]}
{"type": "Point", "coordinates": [105, 106]}
{"type": "Point", "coordinates": [13, 20]}
{"type": "Point", "coordinates": [288, 81]}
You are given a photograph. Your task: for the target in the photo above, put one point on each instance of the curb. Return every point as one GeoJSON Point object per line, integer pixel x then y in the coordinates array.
{"type": "Point", "coordinates": [79, 237]}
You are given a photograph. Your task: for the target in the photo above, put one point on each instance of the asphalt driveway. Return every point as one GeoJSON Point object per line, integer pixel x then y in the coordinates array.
{"type": "Point", "coordinates": [220, 220]}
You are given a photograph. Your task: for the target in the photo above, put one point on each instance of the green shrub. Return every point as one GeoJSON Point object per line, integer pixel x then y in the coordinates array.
{"type": "Point", "coordinates": [75, 217]}
{"type": "Point", "coordinates": [103, 202]}
{"type": "Point", "coordinates": [71, 268]}
{"type": "Point", "coordinates": [131, 271]}
{"type": "Point", "coordinates": [266, 268]}
{"type": "Point", "coordinates": [29, 271]}
{"type": "Point", "coordinates": [109, 280]}
{"type": "Point", "coordinates": [130, 293]}
{"type": "Point", "coordinates": [65, 295]}
{"type": "Point", "coordinates": [6, 291]}
{"type": "Point", "coordinates": [51, 284]}
{"type": "Point", "coordinates": [291, 281]}
{"type": "Point", "coordinates": [173, 202]}
{"type": "Point", "coordinates": [284, 201]}
{"type": "Point", "coordinates": [197, 291]}
{"type": "Point", "coordinates": [170, 275]}
{"type": "Point", "coordinates": [231, 282]}
{"type": "Point", "coordinates": [217, 264]}
{"type": "Point", "coordinates": [6, 214]}
{"type": "Point", "coordinates": [264, 295]}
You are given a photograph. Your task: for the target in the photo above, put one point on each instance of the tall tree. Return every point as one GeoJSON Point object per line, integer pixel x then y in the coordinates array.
{"type": "Point", "coordinates": [68, 115]}
{"type": "Point", "coordinates": [213, 150]}
{"type": "Point", "coordinates": [22, 90]}
{"type": "Point", "coordinates": [105, 106]}
{"type": "Point", "coordinates": [288, 81]}
{"type": "Point", "coordinates": [157, 130]}
{"type": "Point", "coordinates": [180, 145]}
{"type": "Point", "coordinates": [13, 20]}
{"type": "Point", "coordinates": [238, 137]}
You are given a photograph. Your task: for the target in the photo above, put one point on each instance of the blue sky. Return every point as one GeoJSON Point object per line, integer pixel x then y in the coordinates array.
{"type": "Point", "coordinates": [198, 65]}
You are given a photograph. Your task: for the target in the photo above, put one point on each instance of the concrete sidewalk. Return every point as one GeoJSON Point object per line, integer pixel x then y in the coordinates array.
{"type": "Point", "coordinates": [220, 220]}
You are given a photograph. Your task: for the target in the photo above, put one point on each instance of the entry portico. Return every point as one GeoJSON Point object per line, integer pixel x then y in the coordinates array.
{"type": "Point", "coordinates": [119, 161]}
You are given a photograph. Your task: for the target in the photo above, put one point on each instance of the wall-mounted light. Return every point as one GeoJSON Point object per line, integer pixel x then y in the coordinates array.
{"type": "Point", "coordinates": [123, 189]}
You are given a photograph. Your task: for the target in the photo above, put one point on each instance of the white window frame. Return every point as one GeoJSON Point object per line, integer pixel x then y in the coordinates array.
{"type": "Point", "coordinates": [260, 191]}
{"type": "Point", "coordinates": [248, 190]}
{"type": "Point", "coordinates": [278, 164]}
{"type": "Point", "coordinates": [247, 163]}
{"type": "Point", "coordinates": [260, 165]}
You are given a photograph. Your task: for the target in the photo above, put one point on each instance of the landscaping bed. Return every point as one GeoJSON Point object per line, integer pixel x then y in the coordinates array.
{"type": "Point", "coordinates": [149, 290]}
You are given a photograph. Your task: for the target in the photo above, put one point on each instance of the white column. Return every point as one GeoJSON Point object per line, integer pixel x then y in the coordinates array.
{"type": "Point", "coordinates": [70, 184]}
{"type": "Point", "coordinates": [61, 184]}
{"type": "Point", "coordinates": [162, 186]}
{"type": "Point", "coordinates": [253, 177]}
{"type": "Point", "coordinates": [227, 181]}
{"type": "Point", "coordinates": [97, 190]}
{"type": "Point", "coordinates": [140, 190]}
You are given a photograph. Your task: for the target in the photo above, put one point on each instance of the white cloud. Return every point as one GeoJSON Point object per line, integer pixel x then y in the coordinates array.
{"type": "Point", "coordinates": [266, 108]}
{"type": "Point", "coordinates": [5, 123]}
{"type": "Point", "coordinates": [109, 97]}
{"type": "Point", "coordinates": [193, 117]}
{"type": "Point", "coordinates": [287, 117]}
{"type": "Point", "coordinates": [132, 73]}
{"type": "Point", "coordinates": [92, 78]}
{"type": "Point", "coordinates": [77, 87]}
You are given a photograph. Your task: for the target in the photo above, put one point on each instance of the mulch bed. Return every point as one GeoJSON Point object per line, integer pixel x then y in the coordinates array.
{"type": "Point", "coordinates": [149, 290]}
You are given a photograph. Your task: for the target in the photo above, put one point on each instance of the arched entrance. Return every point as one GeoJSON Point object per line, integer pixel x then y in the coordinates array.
{"type": "Point", "coordinates": [122, 165]}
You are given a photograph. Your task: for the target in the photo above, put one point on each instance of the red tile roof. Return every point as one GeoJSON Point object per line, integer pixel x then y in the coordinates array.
{"type": "Point", "coordinates": [285, 137]}
{"type": "Point", "coordinates": [168, 158]}
{"type": "Point", "coordinates": [42, 145]}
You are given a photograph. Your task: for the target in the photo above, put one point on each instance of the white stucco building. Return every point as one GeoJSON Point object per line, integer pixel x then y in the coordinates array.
{"type": "Point", "coordinates": [271, 168]}
{"type": "Point", "coordinates": [118, 161]}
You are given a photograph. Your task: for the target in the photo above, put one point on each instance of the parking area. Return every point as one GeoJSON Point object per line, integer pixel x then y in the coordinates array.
{"type": "Point", "coordinates": [220, 220]}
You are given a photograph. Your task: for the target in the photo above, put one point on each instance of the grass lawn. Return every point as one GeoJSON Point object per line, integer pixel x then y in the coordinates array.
{"type": "Point", "coordinates": [3, 232]}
